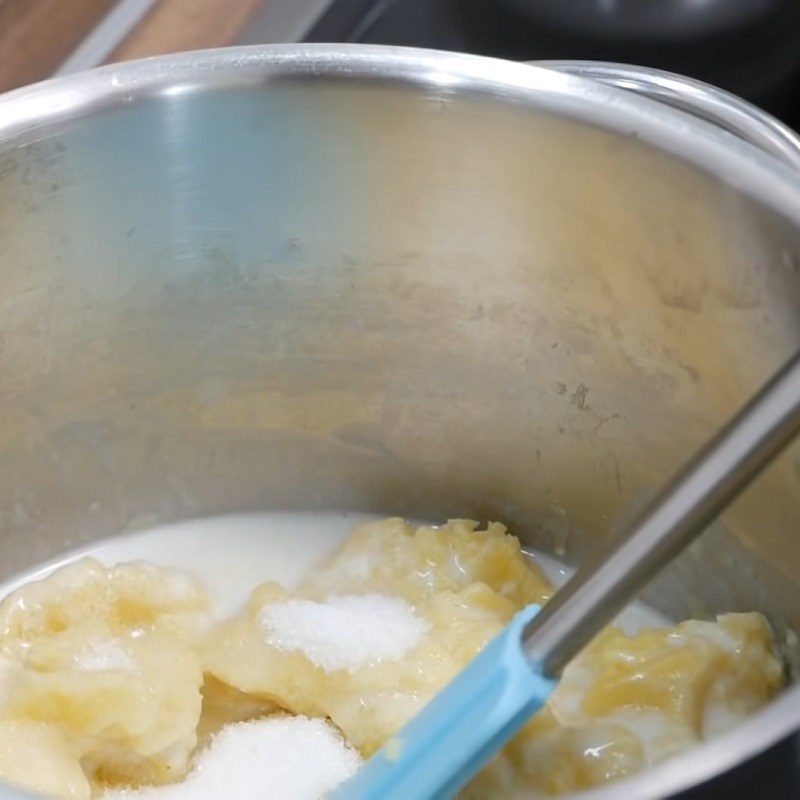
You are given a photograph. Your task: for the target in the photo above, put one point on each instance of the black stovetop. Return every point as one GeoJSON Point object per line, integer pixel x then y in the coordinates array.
{"type": "Point", "coordinates": [759, 61]}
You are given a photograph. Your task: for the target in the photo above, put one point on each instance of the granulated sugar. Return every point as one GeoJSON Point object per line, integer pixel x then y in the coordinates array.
{"type": "Point", "coordinates": [345, 632]}
{"type": "Point", "coordinates": [103, 654]}
{"type": "Point", "coordinates": [280, 758]}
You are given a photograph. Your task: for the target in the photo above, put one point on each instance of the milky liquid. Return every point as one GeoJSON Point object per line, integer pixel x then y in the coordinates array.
{"type": "Point", "coordinates": [234, 554]}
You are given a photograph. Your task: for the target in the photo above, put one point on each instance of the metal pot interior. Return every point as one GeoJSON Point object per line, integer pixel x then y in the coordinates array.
{"type": "Point", "coordinates": [392, 282]}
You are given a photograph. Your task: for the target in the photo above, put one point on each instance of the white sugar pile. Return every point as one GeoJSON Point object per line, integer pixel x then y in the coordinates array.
{"type": "Point", "coordinates": [345, 632]}
{"type": "Point", "coordinates": [279, 758]}
{"type": "Point", "coordinates": [103, 654]}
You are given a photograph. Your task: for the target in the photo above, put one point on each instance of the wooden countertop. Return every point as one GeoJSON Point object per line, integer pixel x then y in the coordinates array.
{"type": "Point", "coordinates": [37, 35]}
{"type": "Point", "coordinates": [176, 25]}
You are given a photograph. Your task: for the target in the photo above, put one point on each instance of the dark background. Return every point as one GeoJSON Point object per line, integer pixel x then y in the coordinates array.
{"type": "Point", "coordinates": [749, 47]}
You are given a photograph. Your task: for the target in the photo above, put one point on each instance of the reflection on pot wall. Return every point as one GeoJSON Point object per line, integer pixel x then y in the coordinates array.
{"type": "Point", "coordinates": [400, 301]}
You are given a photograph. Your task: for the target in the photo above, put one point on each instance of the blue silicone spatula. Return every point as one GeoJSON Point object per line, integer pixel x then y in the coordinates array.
{"type": "Point", "coordinates": [465, 725]}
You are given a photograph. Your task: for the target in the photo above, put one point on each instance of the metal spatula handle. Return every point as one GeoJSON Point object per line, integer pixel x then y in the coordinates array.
{"type": "Point", "coordinates": [668, 524]}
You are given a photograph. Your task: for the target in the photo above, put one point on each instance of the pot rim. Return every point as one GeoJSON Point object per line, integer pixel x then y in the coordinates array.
{"type": "Point", "coordinates": [714, 105]}
{"type": "Point", "coordinates": [26, 112]}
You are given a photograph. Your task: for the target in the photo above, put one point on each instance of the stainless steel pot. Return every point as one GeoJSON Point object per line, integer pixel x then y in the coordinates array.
{"type": "Point", "coordinates": [397, 281]}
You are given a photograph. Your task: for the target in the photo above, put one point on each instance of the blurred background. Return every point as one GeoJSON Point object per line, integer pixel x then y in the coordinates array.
{"type": "Point", "coordinates": [749, 47]}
